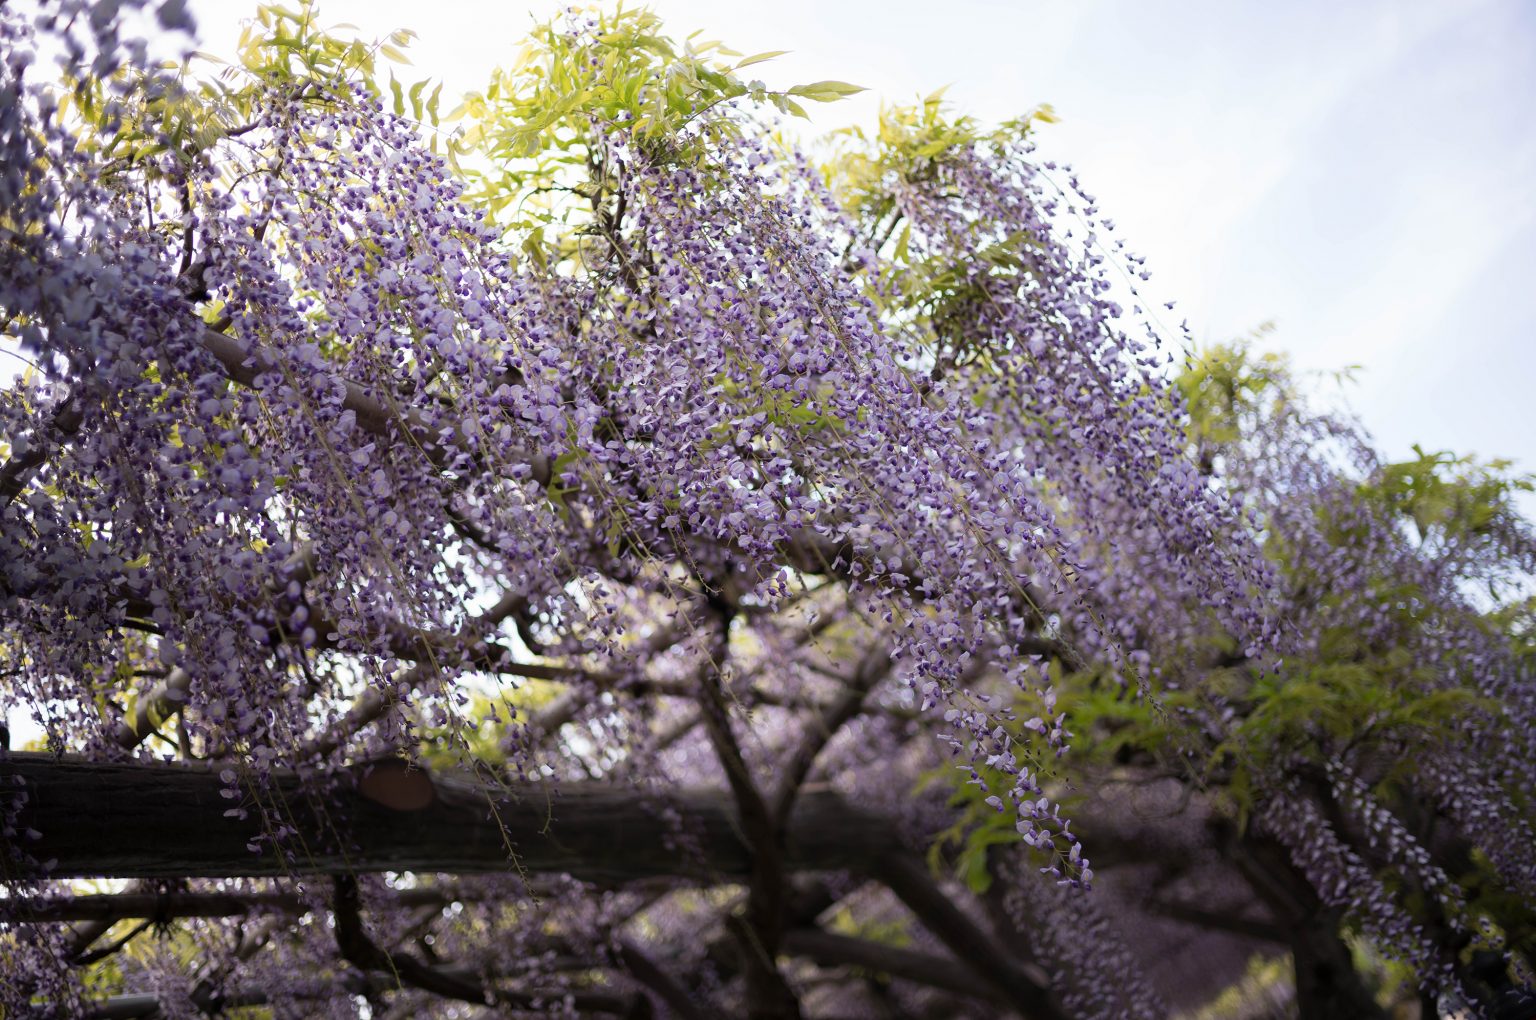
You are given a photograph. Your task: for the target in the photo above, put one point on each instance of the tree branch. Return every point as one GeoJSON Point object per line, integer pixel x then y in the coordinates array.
{"type": "Point", "coordinates": [650, 974]}
{"type": "Point", "coordinates": [831, 950]}
{"type": "Point", "coordinates": [874, 665]}
{"type": "Point", "coordinates": [18, 471]}
{"type": "Point", "coordinates": [454, 983]}
{"type": "Point", "coordinates": [761, 930]}
{"type": "Point", "coordinates": [244, 364]}
{"type": "Point", "coordinates": [907, 877]}
{"type": "Point", "coordinates": [1227, 921]}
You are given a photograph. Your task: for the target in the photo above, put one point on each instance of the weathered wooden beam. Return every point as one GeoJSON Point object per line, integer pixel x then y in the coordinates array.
{"type": "Point", "coordinates": [136, 820]}
{"type": "Point", "coordinates": [112, 907]}
{"type": "Point", "coordinates": [139, 820]}
{"type": "Point", "coordinates": [587, 1002]}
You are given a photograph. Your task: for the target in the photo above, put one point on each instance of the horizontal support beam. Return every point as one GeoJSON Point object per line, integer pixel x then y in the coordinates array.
{"type": "Point", "coordinates": [147, 1006]}
{"type": "Point", "coordinates": [114, 907]}
{"type": "Point", "coordinates": [170, 820]}
{"type": "Point", "coordinates": [138, 820]}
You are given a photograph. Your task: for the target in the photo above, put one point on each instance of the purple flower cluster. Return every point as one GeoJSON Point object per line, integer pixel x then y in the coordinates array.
{"type": "Point", "coordinates": [319, 467]}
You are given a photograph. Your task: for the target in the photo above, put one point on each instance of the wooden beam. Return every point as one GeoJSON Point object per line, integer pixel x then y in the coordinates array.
{"type": "Point", "coordinates": [138, 820]}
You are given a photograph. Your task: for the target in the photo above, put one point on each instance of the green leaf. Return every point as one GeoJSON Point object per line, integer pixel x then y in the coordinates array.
{"type": "Point", "coordinates": [826, 91]}
{"type": "Point", "coordinates": [432, 103]}
{"type": "Point", "coordinates": [758, 58]}
{"type": "Point", "coordinates": [394, 88]}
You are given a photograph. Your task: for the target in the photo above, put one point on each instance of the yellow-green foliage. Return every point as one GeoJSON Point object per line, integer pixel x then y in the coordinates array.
{"type": "Point", "coordinates": [531, 130]}
{"type": "Point", "coordinates": [1347, 693]}
{"type": "Point", "coordinates": [870, 172]}
{"type": "Point", "coordinates": [281, 47]}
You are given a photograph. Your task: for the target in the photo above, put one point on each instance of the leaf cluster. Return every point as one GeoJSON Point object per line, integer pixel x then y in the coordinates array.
{"type": "Point", "coordinates": [539, 143]}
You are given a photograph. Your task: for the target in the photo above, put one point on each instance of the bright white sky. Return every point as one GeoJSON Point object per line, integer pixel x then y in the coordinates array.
{"type": "Point", "coordinates": [1361, 174]}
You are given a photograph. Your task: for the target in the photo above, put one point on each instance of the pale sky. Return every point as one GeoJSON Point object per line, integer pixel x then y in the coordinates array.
{"type": "Point", "coordinates": [1360, 174]}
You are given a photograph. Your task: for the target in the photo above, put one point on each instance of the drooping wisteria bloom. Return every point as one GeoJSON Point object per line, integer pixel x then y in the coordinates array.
{"type": "Point", "coordinates": [609, 459]}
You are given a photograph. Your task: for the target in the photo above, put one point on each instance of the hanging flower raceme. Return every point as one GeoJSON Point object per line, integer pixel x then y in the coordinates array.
{"type": "Point", "coordinates": [610, 446]}
{"type": "Point", "coordinates": [717, 400]}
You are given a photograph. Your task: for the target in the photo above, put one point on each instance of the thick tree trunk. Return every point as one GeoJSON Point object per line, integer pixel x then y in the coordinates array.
{"type": "Point", "coordinates": [1327, 985]}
